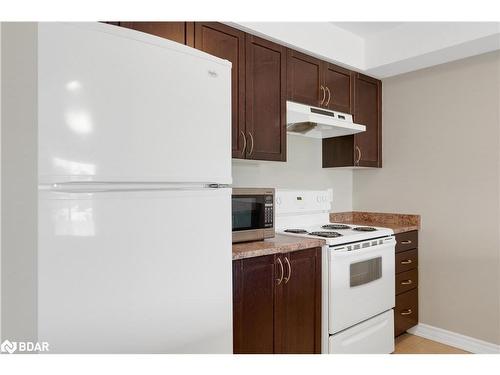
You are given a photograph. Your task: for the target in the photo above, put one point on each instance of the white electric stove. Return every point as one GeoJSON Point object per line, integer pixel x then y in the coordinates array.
{"type": "Point", "coordinates": [358, 273]}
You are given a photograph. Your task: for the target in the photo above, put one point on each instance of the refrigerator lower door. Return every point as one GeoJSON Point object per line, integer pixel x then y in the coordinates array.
{"type": "Point", "coordinates": [135, 271]}
{"type": "Point", "coordinates": [119, 105]}
{"type": "Point", "coordinates": [374, 336]}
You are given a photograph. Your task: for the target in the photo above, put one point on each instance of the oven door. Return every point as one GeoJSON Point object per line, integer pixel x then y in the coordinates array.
{"type": "Point", "coordinates": [361, 283]}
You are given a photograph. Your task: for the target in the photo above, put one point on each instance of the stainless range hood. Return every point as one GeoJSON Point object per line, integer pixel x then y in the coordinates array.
{"type": "Point", "coordinates": [317, 122]}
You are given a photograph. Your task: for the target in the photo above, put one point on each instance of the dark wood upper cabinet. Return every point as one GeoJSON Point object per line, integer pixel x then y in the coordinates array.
{"type": "Point", "coordinates": [299, 305]}
{"type": "Point", "coordinates": [362, 149]}
{"type": "Point", "coordinates": [338, 83]}
{"type": "Point", "coordinates": [304, 79]}
{"type": "Point", "coordinates": [177, 31]}
{"type": "Point", "coordinates": [253, 305]}
{"type": "Point", "coordinates": [277, 303]}
{"type": "Point", "coordinates": [265, 99]}
{"type": "Point", "coordinates": [229, 44]}
{"type": "Point", "coordinates": [265, 75]}
{"type": "Point", "coordinates": [318, 83]}
{"type": "Point", "coordinates": [368, 112]}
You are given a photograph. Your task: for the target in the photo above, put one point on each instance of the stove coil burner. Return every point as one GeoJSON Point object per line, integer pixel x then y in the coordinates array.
{"type": "Point", "coordinates": [297, 231]}
{"type": "Point", "coordinates": [335, 226]}
{"type": "Point", "coordinates": [325, 234]}
{"type": "Point", "coordinates": [364, 229]}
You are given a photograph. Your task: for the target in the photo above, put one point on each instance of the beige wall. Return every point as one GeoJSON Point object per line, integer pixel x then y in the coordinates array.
{"type": "Point", "coordinates": [301, 171]}
{"type": "Point", "coordinates": [441, 138]}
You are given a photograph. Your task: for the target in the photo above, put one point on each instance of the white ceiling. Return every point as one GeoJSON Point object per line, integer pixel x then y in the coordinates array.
{"type": "Point", "coordinates": [367, 29]}
{"type": "Point", "coordinates": [383, 49]}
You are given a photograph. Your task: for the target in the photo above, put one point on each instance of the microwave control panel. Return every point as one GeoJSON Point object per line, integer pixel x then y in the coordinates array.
{"type": "Point", "coordinates": [268, 211]}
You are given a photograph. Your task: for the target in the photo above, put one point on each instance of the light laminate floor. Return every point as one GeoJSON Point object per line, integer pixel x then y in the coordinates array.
{"type": "Point", "coordinates": [410, 344]}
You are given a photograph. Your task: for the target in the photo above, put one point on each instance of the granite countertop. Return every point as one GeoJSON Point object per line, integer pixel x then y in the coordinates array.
{"type": "Point", "coordinates": [399, 223]}
{"type": "Point", "coordinates": [278, 244]}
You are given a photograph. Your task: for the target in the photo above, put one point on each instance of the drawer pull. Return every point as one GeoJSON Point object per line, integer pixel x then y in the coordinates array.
{"type": "Point", "coordinates": [406, 312]}
{"type": "Point", "coordinates": [406, 242]}
{"type": "Point", "coordinates": [406, 282]}
{"type": "Point", "coordinates": [406, 261]}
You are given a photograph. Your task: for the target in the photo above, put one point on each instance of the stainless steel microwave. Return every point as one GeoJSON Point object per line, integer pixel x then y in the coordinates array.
{"type": "Point", "coordinates": [252, 214]}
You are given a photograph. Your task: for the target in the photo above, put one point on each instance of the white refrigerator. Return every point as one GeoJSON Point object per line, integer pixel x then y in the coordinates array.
{"type": "Point", "coordinates": [134, 241]}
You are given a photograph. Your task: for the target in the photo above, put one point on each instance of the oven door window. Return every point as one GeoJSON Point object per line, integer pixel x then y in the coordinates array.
{"type": "Point", "coordinates": [247, 212]}
{"type": "Point", "coordinates": [365, 272]}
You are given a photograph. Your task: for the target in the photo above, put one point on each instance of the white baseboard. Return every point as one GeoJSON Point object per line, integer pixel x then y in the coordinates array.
{"type": "Point", "coordinates": [457, 340]}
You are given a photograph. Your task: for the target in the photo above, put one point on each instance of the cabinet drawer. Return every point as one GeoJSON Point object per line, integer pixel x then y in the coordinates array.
{"type": "Point", "coordinates": [406, 311]}
{"type": "Point", "coordinates": [406, 260]}
{"type": "Point", "coordinates": [406, 281]}
{"type": "Point", "coordinates": [406, 241]}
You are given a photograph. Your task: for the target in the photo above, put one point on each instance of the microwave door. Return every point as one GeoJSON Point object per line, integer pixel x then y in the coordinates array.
{"type": "Point", "coordinates": [248, 213]}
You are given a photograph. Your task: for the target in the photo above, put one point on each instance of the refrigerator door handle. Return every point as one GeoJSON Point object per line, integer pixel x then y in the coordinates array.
{"type": "Point", "coordinates": [103, 187]}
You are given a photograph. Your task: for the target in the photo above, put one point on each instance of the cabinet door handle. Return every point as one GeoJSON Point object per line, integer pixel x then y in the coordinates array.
{"type": "Point", "coordinates": [324, 94]}
{"type": "Point", "coordinates": [251, 145]}
{"type": "Point", "coordinates": [406, 282]}
{"type": "Point", "coordinates": [244, 143]}
{"type": "Point", "coordinates": [287, 279]}
{"type": "Point", "coordinates": [356, 162]}
{"type": "Point", "coordinates": [406, 312]}
{"type": "Point", "coordinates": [329, 95]}
{"type": "Point", "coordinates": [282, 272]}
{"type": "Point", "coordinates": [406, 261]}
{"type": "Point", "coordinates": [406, 242]}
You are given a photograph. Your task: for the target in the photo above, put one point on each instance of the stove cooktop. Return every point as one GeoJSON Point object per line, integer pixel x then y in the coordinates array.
{"type": "Point", "coordinates": [337, 233]}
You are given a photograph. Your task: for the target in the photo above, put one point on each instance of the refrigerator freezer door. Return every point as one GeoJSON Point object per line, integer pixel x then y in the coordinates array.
{"type": "Point", "coordinates": [120, 105]}
{"type": "Point", "coordinates": [135, 272]}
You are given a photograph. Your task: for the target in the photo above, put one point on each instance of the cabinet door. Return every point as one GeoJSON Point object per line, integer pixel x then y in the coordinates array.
{"type": "Point", "coordinates": [304, 79]}
{"type": "Point", "coordinates": [367, 111]}
{"type": "Point", "coordinates": [228, 43]}
{"type": "Point", "coordinates": [338, 85]}
{"type": "Point", "coordinates": [253, 305]}
{"type": "Point", "coordinates": [265, 99]}
{"type": "Point", "coordinates": [176, 31]}
{"type": "Point", "coordinates": [299, 304]}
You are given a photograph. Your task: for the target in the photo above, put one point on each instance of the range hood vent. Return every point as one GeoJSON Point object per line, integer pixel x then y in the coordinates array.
{"type": "Point", "coordinates": [316, 122]}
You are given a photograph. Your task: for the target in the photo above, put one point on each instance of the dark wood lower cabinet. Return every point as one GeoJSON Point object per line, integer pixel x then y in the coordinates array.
{"type": "Point", "coordinates": [299, 317]}
{"type": "Point", "coordinates": [406, 311]}
{"type": "Point", "coordinates": [406, 279]}
{"type": "Point", "coordinates": [277, 303]}
{"type": "Point", "coordinates": [253, 305]}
